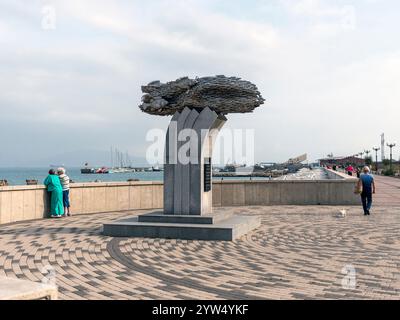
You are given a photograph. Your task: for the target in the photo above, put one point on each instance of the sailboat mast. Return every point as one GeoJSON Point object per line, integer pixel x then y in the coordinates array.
{"type": "Point", "coordinates": [112, 157]}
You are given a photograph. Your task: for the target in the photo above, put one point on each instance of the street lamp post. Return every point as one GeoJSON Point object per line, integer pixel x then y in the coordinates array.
{"type": "Point", "coordinates": [359, 155]}
{"type": "Point", "coordinates": [366, 159]}
{"type": "Point", "coordinates": [391, 146]}
{"type": "Point", "coordinates": [376, 149]}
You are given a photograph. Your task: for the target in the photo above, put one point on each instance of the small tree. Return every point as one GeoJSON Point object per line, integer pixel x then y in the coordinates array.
{"type": "Point", "coordinates": [388, 172]}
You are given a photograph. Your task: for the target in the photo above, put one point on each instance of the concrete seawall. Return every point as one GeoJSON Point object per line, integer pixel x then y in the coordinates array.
{"type": "Point", "coordinates": [266, 193]}
{"type": "Point", "coordinates": [336, 175]}
{"type": "Point", "coordinates": [21, 203]}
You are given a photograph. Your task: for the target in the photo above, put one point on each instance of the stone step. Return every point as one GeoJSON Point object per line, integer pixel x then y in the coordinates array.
{"type": "Point", "coordinates": [159, 217]}
{"type": "Point", "coordinates": [226, 230]}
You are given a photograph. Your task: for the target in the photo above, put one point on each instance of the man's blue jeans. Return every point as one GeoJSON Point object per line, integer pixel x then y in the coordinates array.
{"type": "Point", "coordinates": [366, 198]}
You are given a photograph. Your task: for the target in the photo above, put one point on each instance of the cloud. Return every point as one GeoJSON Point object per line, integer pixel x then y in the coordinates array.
{"type": "Point", "coordinates": [80, 83]}
{"type": "Point", "coordinates": [326, 19]}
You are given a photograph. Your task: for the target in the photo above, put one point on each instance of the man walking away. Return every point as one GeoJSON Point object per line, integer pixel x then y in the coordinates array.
{"type": "Point", "coordinates": [367, 183]}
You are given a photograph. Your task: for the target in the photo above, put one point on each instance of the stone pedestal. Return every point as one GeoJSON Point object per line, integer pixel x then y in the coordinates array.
{"type": "Point", "coordinates": [222, 227]}
{"type": "Point", "coordinates": [187, 187]}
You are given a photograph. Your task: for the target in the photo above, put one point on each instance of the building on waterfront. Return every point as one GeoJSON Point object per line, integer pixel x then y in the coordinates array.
{"type": "Point", "coordinates": [342, 161]}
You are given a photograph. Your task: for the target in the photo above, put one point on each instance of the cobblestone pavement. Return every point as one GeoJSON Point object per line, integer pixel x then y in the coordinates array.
{"type": "Point", "coordinates": [388, 191]}
{"type": "Point", "coordinates": [297, 253]}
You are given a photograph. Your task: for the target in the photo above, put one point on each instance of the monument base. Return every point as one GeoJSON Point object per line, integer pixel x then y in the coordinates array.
{"type": "Point", "coordinates": [220, 227]}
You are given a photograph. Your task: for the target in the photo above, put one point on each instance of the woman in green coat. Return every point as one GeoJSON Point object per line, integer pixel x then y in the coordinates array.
{"type": "Point", "coordinates": [54, 187]}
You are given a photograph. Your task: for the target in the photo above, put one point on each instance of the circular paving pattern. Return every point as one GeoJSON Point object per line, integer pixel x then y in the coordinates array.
{"type": "Point", "coordinates": [297, 253]}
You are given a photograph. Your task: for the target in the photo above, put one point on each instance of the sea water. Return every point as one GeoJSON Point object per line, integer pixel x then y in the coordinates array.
{"type": "Point", "coordinates": [18, 176]}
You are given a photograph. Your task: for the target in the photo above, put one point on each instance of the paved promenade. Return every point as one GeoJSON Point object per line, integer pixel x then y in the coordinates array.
{"type": "Point", "coordinates": [388, 191]}
{"type": "Point", "coordinates": [297, 253]}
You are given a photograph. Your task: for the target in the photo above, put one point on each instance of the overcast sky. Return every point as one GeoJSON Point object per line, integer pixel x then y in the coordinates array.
{"type": "Point", "coordinates": [329, 71]}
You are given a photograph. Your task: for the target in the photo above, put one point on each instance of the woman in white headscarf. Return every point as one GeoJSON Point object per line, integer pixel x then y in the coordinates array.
{"type": "Point", "coordinates": [64, 179]}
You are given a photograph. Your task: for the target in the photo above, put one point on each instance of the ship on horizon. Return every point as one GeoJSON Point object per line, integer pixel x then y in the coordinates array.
{"type": "Point", "coordinates": [89, 170]}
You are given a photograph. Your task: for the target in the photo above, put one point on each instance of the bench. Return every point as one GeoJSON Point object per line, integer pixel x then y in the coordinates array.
{"type": "Point", "coordinates": [30, 182]}
{"type": "Point", "coordinates": [15, 289]}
